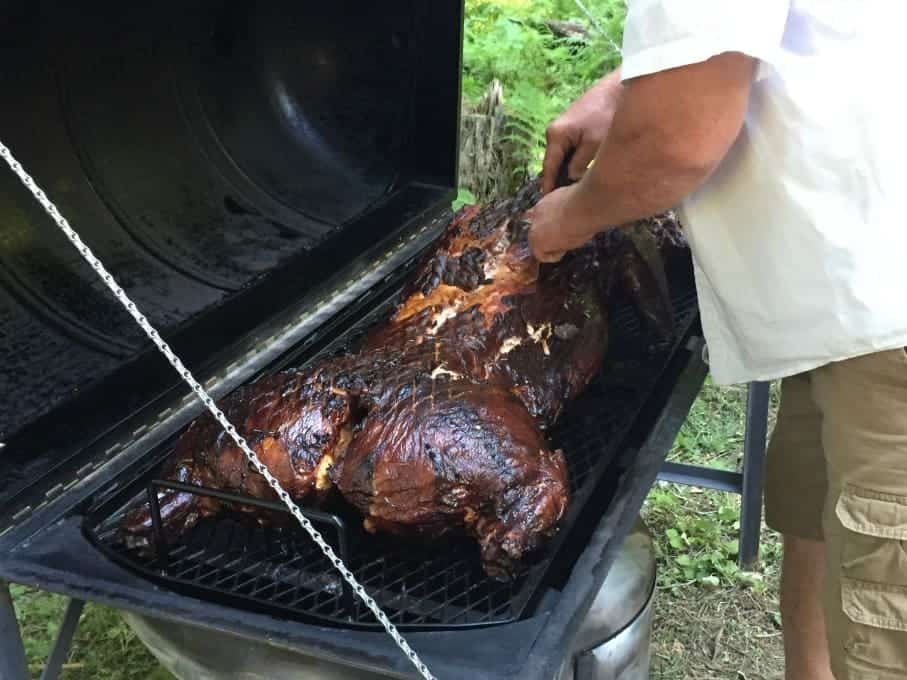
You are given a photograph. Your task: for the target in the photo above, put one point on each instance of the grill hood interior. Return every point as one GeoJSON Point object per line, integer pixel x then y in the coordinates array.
{"type": "Point", "coordinates": [223, 159]}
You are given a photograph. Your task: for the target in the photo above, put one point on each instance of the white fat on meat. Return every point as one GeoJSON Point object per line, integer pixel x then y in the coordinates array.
{"type": "Point", "coordinates": [540, 335]}
{"type": "Point", "coordinates": [438, 319]}
{"type": "Point", "coordinates": [442, 370]}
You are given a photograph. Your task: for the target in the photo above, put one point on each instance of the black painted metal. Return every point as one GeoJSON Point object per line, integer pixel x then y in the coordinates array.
{"type": "Point", "coordinates": [59, 558]}
{"type": "Point", "coordinates": [201, 148]}
{"type": "Point", "coordinates": [52, 552]}
{"type": "Point", "coordinates": [699, 475]}
{"type": "Point", "coordinates": [753, 473]}
{"type": "Point", "coordinates": [63, 642]}
{"type": "Point", "coordinates": [325, 519]}
{"type": "Point", "coordinates": [240, 551]}
{"type": "Point", "coordinates": [13, 664]}
{"type": "Point", "coordinates": [151, 145]}
{"type": "Point", "coordinates": [643, 465]}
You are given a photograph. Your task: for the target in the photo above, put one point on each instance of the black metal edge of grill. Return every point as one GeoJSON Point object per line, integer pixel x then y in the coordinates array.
{"type": "Point", "coordinates": [229, 574]}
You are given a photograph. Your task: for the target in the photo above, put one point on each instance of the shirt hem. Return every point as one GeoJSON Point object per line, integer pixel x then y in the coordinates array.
{"type": "Point", "coordinates": [725, 378]}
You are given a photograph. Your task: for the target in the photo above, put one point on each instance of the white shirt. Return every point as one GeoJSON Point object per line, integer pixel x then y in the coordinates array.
{"type": "Point", "coordinates": [799, 239]}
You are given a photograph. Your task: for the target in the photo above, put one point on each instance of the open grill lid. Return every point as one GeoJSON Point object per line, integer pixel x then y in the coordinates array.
{"type": "Point", "coordinates": [242, 169]}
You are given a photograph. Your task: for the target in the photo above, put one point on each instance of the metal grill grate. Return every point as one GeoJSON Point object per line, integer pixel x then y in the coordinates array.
{"type": "Point", "coordinates": [420, 586]}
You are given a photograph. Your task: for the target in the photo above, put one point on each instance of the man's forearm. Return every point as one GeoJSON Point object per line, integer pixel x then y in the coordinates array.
{"type": "Point", "coordinates": [663, 144]}
{"type": "Point", "coordinates": [633, 176]}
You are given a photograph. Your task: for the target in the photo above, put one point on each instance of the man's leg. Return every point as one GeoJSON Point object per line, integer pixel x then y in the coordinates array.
{"type": "Point", "coordinates": [795, 492]}
{"type": "Point", "coordinates": [863, 402]}
{"type": "Point", "coordinates": [803, 622]}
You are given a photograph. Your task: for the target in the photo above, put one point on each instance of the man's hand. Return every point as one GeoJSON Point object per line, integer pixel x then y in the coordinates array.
{"type": "Point", "coordinates": [563, 220]}
{"type": "Point", "coordinates": [670, 131]}
{"type": "Point", "coordinates": [546, 219]}
{"type": "Point", "coordinates": [581, 130]}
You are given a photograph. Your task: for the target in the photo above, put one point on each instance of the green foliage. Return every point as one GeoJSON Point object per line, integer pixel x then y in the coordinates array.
{"type": "Point", "coordinates": [104, 647]}
{"type": "Point", "coordinates": [696, 545]}
{"type": "Point", "coordinates": [464, 197]}
{"type": "Point", "coordinates": [697, 531]}
{"type": "Point", "coordinates": [713, 431]}
{"type": "Point", "coordinates": [541, 73]}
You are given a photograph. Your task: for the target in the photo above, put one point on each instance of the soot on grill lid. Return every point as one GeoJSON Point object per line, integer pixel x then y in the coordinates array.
{"type": "Point", "coordinates": [223, 160]}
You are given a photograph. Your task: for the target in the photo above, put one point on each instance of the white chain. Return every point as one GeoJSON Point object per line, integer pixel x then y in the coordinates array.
{"type": "Point", "coordinates": [51, 209]}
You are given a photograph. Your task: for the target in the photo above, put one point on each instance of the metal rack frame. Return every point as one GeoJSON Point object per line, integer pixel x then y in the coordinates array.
{"type": "Point", "coordinates": [748, 482]}
{"type": "Point", "coordinates": [13, 662]}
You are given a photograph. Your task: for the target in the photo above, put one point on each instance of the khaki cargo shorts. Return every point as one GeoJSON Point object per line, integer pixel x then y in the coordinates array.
{"type": "Point", "coordinates": [837, 471]}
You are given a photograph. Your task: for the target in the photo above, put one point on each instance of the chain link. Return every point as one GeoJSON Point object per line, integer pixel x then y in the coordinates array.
{"type": "Point", "coordinates": [150, 331]}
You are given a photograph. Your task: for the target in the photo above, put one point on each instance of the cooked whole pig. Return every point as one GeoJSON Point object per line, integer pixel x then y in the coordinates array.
{"type": "Point", "coordinates": [435, 421]}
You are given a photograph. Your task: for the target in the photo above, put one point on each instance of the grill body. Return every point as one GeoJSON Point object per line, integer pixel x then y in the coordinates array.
{"type": "Point", "coordinates": [259, 177]}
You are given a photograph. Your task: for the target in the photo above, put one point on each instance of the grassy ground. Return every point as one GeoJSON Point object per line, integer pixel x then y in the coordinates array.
{"type": "Point", "coordinates": [711, 620]}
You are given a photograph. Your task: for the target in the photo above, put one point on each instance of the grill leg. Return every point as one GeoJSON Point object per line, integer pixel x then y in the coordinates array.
{"type": "Point", "coordinates": [13, 664]}
{"type": "Point", "coordinates": [64, 640]}
{"type": "Point", "coordinates": [753, 473]}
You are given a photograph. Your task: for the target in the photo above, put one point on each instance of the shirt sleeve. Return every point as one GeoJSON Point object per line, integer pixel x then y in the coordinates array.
{"type": "Point", "coordinates": [665, 34]}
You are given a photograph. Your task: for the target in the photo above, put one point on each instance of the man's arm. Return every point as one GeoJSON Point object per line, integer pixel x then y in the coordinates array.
{"type": "Point", "coordinates": [669, 132]}
{"type": "Point", "coordinates": [581, 129]}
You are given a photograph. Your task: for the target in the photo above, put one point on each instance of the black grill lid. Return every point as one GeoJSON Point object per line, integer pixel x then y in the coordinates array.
{"type": "Point", "coordinates": [223, 159]}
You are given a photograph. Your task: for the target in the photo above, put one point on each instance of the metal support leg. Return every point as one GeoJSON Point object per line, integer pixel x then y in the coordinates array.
{"type": "Point", "coordinates": [753, 473]}
{"type": "Point", "coordinates": [64, 640]}
{"type": "Point", "coordinates": [13, 664]}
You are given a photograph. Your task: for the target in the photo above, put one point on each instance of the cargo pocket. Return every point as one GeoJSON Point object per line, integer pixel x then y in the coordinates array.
{"type": "Point", "coordinates": [874, 582]}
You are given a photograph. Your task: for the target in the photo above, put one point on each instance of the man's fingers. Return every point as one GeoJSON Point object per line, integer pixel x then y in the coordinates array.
{"type": "Point", "coordinates": [584, 154]}
{"type": "Point", "coordinates": [559, 143]}
{"type": "Point", "coordinates": [551, 165]}
{"type": "Point", "coordinates": [540, 250]}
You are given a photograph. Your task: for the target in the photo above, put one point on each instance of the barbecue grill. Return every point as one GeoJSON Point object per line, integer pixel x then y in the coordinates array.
{"type": "Point", "coordinates": [260, 178]}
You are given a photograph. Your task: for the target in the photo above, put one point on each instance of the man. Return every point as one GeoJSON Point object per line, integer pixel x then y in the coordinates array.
{"type": "Point", "coordinates": [777, 128]}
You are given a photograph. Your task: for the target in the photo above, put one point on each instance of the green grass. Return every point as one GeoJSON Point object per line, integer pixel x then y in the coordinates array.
{"type": "Point", "coordinates": [104, 647]}
{"type": "Point", "coordinates": [712, 620]}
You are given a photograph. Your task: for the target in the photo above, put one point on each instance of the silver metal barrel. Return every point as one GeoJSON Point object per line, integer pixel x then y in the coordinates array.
{"type": "Point", "coordinates": [614, 641]}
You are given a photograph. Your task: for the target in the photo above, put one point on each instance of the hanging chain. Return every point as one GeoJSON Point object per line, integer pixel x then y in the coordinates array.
{"type": "Point", "coordinates": [150, 331]}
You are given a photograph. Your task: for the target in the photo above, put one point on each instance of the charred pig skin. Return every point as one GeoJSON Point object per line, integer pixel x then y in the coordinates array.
{"type": "Point", "coordinates": [455, 455]}
{"type": "Point", "coordinates": [294, 421]}
{"type": "Point", "coordinates": [434, 422]}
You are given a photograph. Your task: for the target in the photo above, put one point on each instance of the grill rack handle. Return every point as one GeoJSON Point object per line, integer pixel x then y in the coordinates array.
{"type": "Point", "coordinates": [328, 519]}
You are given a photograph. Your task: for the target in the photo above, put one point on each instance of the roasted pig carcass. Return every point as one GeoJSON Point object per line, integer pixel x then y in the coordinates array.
{"type": "Point", "coordinates": [434, 422]}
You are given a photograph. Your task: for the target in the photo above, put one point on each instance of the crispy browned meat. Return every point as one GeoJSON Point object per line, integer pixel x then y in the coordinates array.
{"type": "Point", "coordinates": [434, 422]}
{"type": "Point", "coordinates": [294, 421]}
{"type": "Point", "coordinates": [457, 455]}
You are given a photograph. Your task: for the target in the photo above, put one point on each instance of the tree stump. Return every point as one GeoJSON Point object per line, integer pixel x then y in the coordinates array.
{"type": "Point", "coordinates": [491, 166]}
